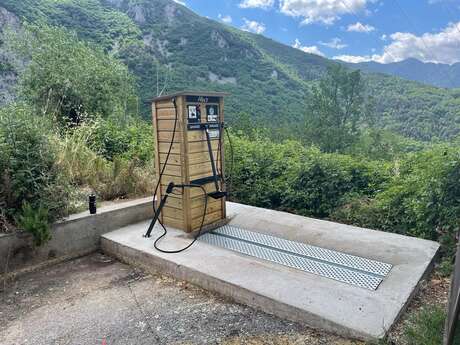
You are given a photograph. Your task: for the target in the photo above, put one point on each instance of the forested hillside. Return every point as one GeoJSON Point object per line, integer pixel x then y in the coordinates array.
{"type": "Point", "coordinates": [269, 81]}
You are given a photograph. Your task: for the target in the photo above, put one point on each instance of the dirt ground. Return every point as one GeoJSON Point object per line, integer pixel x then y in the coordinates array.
{"type": "Point", "coordinates": [97, 300]}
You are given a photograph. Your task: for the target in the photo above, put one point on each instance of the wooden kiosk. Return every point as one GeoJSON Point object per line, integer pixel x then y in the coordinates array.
{"type": "Point", "coordinates": [196, 157]}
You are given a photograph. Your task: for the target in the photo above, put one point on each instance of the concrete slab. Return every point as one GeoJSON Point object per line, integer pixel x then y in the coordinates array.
{"type": "Point", "coordinates": [289, 293]}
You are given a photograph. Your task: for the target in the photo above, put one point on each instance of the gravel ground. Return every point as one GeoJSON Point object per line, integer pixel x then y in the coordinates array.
{"type": "Point", "coordinates": [96, 300]}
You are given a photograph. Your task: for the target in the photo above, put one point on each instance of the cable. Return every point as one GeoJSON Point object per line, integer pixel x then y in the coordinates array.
{"type": "Point", "coordinates": [231, 159]}
{"type": "Point", "coordinates": [165, 231]}
{"type": "Point", "coordinates": [141, 311]}
{"type": "Point", "coordinates": [166, 160]}
{"type": "Point", "coordinates": [168, 154]}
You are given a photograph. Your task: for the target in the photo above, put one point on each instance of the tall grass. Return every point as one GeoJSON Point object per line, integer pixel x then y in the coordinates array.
{"type": "Point", "coordinates": [86, 169]}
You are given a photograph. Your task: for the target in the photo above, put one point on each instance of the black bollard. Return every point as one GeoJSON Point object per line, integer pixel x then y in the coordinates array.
{"type": "Point", "coordinates": [92, 204]}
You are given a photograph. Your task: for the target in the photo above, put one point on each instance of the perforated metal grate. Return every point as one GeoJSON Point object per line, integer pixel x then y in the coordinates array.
{"type": "Point", "coordinates": [331, 264]}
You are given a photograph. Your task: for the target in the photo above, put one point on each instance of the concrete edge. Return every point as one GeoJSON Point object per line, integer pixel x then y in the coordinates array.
{"type": "Point", "coordinates": [72, 236]}
{"type": "Point", "coordinates": [428, 270]}
{"type": "Point", "coordinates": [155, 264]}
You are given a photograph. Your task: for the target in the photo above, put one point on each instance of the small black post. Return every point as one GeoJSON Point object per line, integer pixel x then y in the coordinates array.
{"type": "Point", "coordinates": [92, 204]}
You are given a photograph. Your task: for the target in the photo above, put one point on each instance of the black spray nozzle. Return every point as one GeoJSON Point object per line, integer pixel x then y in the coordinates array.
{"type": "Point", "coordinates": [170, 188]}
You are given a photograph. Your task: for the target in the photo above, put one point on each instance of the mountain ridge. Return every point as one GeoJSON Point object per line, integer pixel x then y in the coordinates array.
{"type": "Point", "coordinates": [435, 74]}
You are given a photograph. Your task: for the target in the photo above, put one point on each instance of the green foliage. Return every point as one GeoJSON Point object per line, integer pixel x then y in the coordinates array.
{"type": "Point", "coordinates": [326, 181]}
{"type": "Point", "coordinates": [422, 199]}
{"type": "Point", "coordinates": [70, 79]}
{"type": "Point", "coordinates": [89, 18]}
{"type": "Point", "coordinates": [35, 222]}
{"type": "Point", "coordinates": [414, 110]}
{"type": "Point", "coordinates": [380, 144]}
{"type": "Point", "coordinates": [426, 327]}
{"type": "Point", "coordinates": [130, 140]}
{"type": "Point", "coordinates": [335, 110]}
{"type": "Point", "coordinates": [119, 178]}
{"type": "Point", "coordinates": [381, 180]}
{"type": "Point", "coordinates": [27, 165]}
{"type": "Point", "coordinates": [288, 176]}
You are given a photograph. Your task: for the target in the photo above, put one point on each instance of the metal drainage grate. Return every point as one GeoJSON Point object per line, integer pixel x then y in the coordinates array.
{"type": "Point", "coordinates": [339, 266]}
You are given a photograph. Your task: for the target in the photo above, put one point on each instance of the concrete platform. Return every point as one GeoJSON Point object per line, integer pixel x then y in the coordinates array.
{"type": "Point", "coordinates": [289, 293]}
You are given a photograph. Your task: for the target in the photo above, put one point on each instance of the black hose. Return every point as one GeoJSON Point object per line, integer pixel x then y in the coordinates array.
{"type": "Point", "coordinates": [231, 160]}
{"type": "Point", "coordinates": [166, 160]}
{"type": "Point", "coordinates": [199, 231]}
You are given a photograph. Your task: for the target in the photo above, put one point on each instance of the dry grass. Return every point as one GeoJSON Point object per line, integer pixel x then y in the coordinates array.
{"type": "Point", "coordinates": [87, 170]}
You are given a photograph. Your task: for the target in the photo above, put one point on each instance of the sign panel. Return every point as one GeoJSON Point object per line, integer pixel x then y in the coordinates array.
{"type": "Point", "coordinates": [201, 99]}
{"type": "Point", "coordinates": [212, 112]}
{"type": "Point", "coordinates": [194, 113]}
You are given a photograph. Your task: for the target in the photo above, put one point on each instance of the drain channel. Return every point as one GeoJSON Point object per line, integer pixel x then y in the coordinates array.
{"type": "Point", "coordinates": [331, 264]}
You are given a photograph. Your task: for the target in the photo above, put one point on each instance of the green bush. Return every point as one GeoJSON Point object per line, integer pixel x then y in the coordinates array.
{"type": "Point", "coordinates": [35, 221]}
{"type": "Point", "coordinates": [28, 171]}
{"type": "Point", "coordinates": [290, 177]}
{"type": "Point", "coordinates": [69, 79]}
{"type": "Point", "coordinates": [130, 140]}
{"type": "Point", "coordinates": [86, 169]}
{"type": "Point", "coordinates": [260, 170]}
{"type": "Point", "coordinates": [422, 199]}
{"type": "Point", "coordinates": [325, 181]}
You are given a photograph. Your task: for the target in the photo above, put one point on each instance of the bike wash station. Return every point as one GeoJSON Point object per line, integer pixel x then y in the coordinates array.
{"type": "Point", "coordinates": [343, 279]}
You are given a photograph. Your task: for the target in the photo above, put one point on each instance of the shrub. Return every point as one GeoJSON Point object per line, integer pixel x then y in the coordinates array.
{"type": "Point", "coordinates": [302, 180]}
{"type": "Point", "coordinates": [422, 199]}
{"type": "Point", "coordinates": [118, 178]}
{"type": "Point", "coordinates": [260, 170]}
{"type": "Point", "coordinates": [325, 181]}
{"type": "Point", "coordinates": [68, 78]}
{"type": "Point", "coordinates": [35, 221]}
{"type": "Point", "coordinates": [28, 171]}
{"type": "Point", "coordinates": [131, 139]}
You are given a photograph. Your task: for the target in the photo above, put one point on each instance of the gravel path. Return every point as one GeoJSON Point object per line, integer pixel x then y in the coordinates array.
{"type": "Point", "coordinates": [96, 300]}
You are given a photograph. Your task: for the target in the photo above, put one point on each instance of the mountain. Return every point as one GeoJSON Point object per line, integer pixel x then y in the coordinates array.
{"type": "Point", "coordinates": [268, 81]}
{"type": "Point", "coordinates": [436, 74]}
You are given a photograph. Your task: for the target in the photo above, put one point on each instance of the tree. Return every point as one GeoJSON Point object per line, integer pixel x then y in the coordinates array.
{"type": "Point", "coordinates": [336, 110]}
{"type": "Point", "coordinates": [70, 79]}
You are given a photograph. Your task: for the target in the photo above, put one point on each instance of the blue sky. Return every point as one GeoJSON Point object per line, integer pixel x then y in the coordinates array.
{"type": "Point", "coordinates": [352, 30]}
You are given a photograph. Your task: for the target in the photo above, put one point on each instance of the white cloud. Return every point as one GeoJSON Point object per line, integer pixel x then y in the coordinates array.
{"type": "Point", "coordinates": [384, 37]}
{"type": "Point", "coordinates": [321, 11]}
{"type": "Point", "coordinates": [335, 43]}
{"type": "Point", "coordinates": [352, 58]}
{"type": "Point", "coordinates": [256, 4]}
{"type": "Point", "coordinates": [181, 2]}
{"type": "Point", "coordinates": [359, 27]}
{"type": "Point", "coordinates": [441, 47]}
{"type": "Point", "coordinates": [307, 49]}
{"type": "Point", "coordinates": [253, 26]}
{"type": "Point", "coordinates": [225, 19]}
